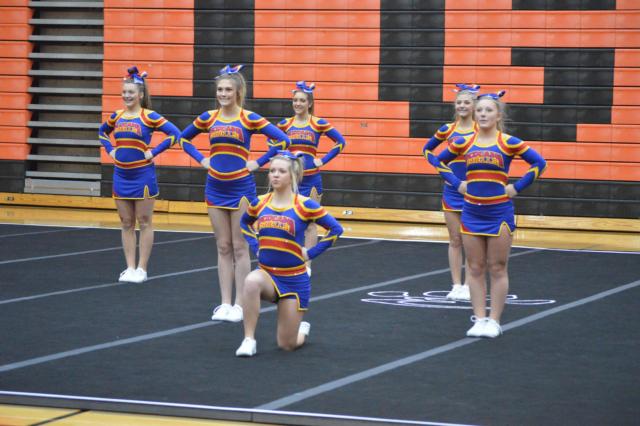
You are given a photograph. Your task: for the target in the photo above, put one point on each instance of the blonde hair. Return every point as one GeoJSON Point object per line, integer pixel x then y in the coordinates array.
{"type": "Point", "coordinates": [239, 84]}
{"type": "Point", "coordinates": [474, 98]}
{"type": "Point", "coordinates": [296, 169]}
{"type": "Point", "coordinates": [502, 111]}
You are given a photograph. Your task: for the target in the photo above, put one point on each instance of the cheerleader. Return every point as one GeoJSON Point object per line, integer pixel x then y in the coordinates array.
{"type": "Point", "coordinates": [230, 185]}
{"type": "Point", "coordinates": [304, 130]}
{"type": "Point", "coordinates": [488, 220]}
{"type": "Point", "coordinates": [274, 226]}
{"type": "Point", "coordinates": [134, 179]}
{"type": "Point", "coordinates": [452, 200]}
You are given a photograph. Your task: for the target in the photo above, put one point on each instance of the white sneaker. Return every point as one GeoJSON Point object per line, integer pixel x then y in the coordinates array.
{"type": "Point", "coordinates": [221, 313]}
{"type": "Point", "coordinates": [491, 329]}
{"type": "Point", "coordinates": [304, 329]}
{"type": "Point", "coordinates": [453, 294]}
{"type": "Point", "coordinates": [127, 276]}
{"type": "Point", "coordinates": [235, 314]}
{"type": "Point", "coordinates": [247, 347]}
{"type": "Point", "coordinates": [463, 293]}
{"type": "Point", "coordinates": [139, 275]}
{"type": "Point", "coordinates": [478, 327]}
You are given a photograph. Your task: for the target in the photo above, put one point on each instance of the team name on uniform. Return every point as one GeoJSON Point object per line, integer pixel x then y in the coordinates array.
{"type": "Point", "coordinates": [282, 223]}
{"type": "Point", "coordinates": [305, 135]}
{"type": "Point", "coordinates": [232, 132]}
{"type": "Point", "coordinates": [129, 127]}
{"type": "Point", "coordinates": [485, 157]}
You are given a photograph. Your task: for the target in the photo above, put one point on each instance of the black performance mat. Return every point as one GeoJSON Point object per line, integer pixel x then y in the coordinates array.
{"type": "Point", "coordinates": [384, 341]}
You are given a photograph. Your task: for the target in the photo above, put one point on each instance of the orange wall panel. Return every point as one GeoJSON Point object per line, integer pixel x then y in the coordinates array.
{"type": "Point", "coordinates": [318, 19]}
{"type": "Point", "coordinates": [627, 58]}
{"type": "Point", "coordinates": [625, 115]}
{"type": "Point", "coordinates": [13, 66]}
{"type": "Point", "coordinates": [477, 56]}
{"type": "Point", "coordinates": [626, 96]}
{"type": "Point", "coordinates": [320, 54]}
{"type": "Point", "coordinates": [15, 49]}
{"type": "Point", "coordinates": [564, 19]}
{"type": "Point", "coordinates": [575, 38]}
{"type": "Point", "coordinates": [139, 34]}
{"type": "Point", "coordinates": [625, 153]}
{"type": "Point", "coordinates": [151, 4]}
{"type": "Point", "coordinates": [516, 94]}
{"type": "Point", "coordinates": [594, 132]}
{"type": "Point", "coordinates": [16, 3]}
{"type": "Point", "coordinates": [353, 91]}
{"type": "Point", "coordinates": [14, 117]}
{"type": "Point", "coordinates": [147, 52]}
{"type": "Point", "coordinates": [18, 101]}
{"type": "Point", "coordinates": [157, 87]}
{"type": "Point", "coordinates": [148, 17]}
{"type": "Point", "coordinates": [15, 15]}
{"type": "Point", "coordinates": [317, 37]}
{"type": "Point", "coordinates": [14, 31]}
{"type": "Point", "coordinates": [625, 134]}
{"type": "Point", "coordinates": [539, 19]}
{"type": "Point", "coordinates": [110, 103]}
{"type": "Point", "coordinates": [318, 4]}
{"type": "Point", "coordinates": [159, 70]}
{"type": "Point", "coordinates": [522, 19]}
{"type": "Point", "coordinates": [626, 4]}
{"type": "Point", "coordinates": [626, 77]}
{"type": "Point", "coordinates": [14, 151]}
{"type": "Point", "coordinates": [354, 109]}
{"type": "Point", "coordinates": [316, 73]}
{"type": "Point", "coordinates": [173, 157]}
{"type": "Point", "coordinates": [474, 5]}
{"type": "Point", "coordinates": [372, 127]}
{"type": "Point", "coordinates": [9, 134]}
{"type": "Point", "coordinates": [14, 84]}
{"type": "Point", "coordinates": [14, 80]}
{"type": "Point", "coordinates": [608, 133]}
{"type": "Point", "coordinates": [625, 172]}
{"type": "Point", "coordinates": [493, 75]}
{"type": "Point", "coordinates": [335, 43]}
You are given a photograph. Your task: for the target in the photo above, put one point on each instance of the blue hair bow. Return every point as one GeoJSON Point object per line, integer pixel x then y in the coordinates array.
{"type": "Point", "coordinates": [494, 96]}
{"type": "Point", "coordinates": [302, 85]}
{"type": "Point", "coordinates": [228, 69]}
{"type": "Point", "coordinates": [287, 154]}
{"type": "Point", "coordinates": [473, 88]}
{"type": "Point", "coordinates": [137, 76]}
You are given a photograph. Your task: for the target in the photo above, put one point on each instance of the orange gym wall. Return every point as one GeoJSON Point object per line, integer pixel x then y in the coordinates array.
{"type": "Point", "coordinates": [14, 79]}
{"type": "Point", "coordinates": [343, 60]}
{"type": "Point", "coordinates": [601, 151]}
{"type": "Point", "coordinates": [157, 36]}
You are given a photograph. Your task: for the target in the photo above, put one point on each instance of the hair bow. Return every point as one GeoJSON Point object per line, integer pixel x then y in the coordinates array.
{"type": "Point", "coordinates": [228, 69]}
{"type": "Point", "coordinates": [494, 96]}
{"type": "Point", "coordinates": [287, 154]}
{"type": "Point", "coordinates": [473, 88]}
{"type": "Point", "coordinates": [302, 85]}
{"type": "Point", "coordinates": [137, 76]}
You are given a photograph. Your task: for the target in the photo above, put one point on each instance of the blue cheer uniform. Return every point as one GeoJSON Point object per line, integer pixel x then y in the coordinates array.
{"type": "Point", "coordinates": [229, 182]}
{"type": "Point", "coordinates": [276, 236]}
{"type": "Point", "coordinates": [486, 204]}
{"type": "Point", "coordinates": [134, 176]}
{"type": "Point", "coordinates": [305, 139]}
{"type": "Point", "coordinates": [452, 200]}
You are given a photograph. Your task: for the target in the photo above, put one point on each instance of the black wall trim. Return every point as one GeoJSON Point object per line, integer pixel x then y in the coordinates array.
{"type": "Point", "coordinates": [423, 192]}
{"type": "Point", "coordinates": [563, 5]}
{"type": "Point", "coordinates": [12, 175]}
